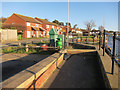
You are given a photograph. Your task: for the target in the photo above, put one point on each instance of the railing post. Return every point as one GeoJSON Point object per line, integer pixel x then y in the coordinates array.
{"type": "Point", "coordinates": [86, 39]}
{"type": "Point", "coordinates": [99, 39]}
{"type": "Point", "coordinates": [26, 48]}
{"type": "Point", "coordinates": [104, 42]}
{"type": "Point", "coordinates": [93, 40]}
{"type": "Point", "coordinates": [113, 51]}
{"type": "Point", "coordinates": [64, 40]}
{"type": "Point", "coordinates": [19, 44]}
{"type": "Point", "coordinates": [81, 40]}
{"type": "Point", "coordinates": [77, 38]}
{"type": "Point", "coordinates": [72, 37]}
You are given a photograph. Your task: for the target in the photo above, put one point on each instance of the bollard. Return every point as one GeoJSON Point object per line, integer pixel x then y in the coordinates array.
{"type": "Point", "coordinates": [26, 48]}
{"type": "Point", "coordinates": [86, 40]}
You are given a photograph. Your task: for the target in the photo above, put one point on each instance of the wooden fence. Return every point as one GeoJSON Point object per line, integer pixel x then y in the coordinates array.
{"type": "Point", "coordinates": [8, 35]}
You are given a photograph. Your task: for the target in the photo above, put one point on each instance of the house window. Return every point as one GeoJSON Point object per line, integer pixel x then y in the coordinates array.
{"type": "Point", "coordinates": [28, 24]}
{"type": "Point", "coordinates": [44, 33]}
{"type": "Point", "coordinates": [47, 32]}
{"type": "Point", "coordinates": [52, 26]}
{"type": "Point", "coordinates": [36, 25]}
{"type": "Point", "coordinates": [47, 26]}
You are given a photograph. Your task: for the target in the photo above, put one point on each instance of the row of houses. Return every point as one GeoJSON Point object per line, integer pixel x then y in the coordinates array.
{"type": "Point", "coordinates": [37, 27]}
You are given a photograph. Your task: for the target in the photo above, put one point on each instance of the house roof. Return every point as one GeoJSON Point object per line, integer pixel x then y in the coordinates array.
{"type": "Point", "coordinates": [65, 27]}
{"type": "Point", "coordinates": [95, 30]}
{"type": "Point", "coordinates": [78, 29]}
{"type": "Point", "coordinates": [27, 19]}
{"type": "Point", "coordinates": [46, 21]}
{"type": "Point", "coordinates": [83, 30]}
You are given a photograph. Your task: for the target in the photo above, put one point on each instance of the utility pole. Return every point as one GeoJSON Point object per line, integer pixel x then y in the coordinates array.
{"type": "Point", "coordinates": [68, 26]}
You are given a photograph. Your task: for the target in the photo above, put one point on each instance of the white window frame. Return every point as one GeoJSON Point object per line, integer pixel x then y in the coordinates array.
{"type": "Point", "coordinates": [52, 26]}
{"type": "Point", "coordinates": [47, 26]}
{"type": "Point", "coordinates": [44, 33]}
{"type": "Point", "coordinates": [47, 32]}
{"type": "Point", "coordinates": [36, 25]}
{"type": "Point", "coordinates": [28, 24]}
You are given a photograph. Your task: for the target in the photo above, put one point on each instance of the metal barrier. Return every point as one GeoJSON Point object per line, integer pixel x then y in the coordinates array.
{"type": "Point", "coordinates": [85, 39]}
{"type": "Point", "coordinates": [111, 54]}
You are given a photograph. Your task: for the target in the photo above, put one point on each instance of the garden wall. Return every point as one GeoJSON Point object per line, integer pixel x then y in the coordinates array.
{"type": "Point", "coordinates": [36, 75]}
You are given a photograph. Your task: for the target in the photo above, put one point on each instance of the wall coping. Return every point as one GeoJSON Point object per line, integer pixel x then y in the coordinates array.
{"type": "Point", "coordinates": [21, 79]}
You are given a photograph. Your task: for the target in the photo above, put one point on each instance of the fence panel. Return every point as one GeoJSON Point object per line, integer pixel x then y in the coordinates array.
{"type": "Point", "coordinates": [9, 35]}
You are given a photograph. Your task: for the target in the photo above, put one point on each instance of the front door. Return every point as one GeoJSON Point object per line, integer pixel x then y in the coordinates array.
{"type": "Point", "coordinates": [28, 34]}
{"type": "Point", "coordinates": [37, 34]}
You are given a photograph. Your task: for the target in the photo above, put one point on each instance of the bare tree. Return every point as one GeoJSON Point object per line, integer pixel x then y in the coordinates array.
{"type": "Point", "coordinates": [101, 28]}
{"type": "Point", "coordinates": [74, 27]}
{"type": "Point", "coordinates": [89, 26]}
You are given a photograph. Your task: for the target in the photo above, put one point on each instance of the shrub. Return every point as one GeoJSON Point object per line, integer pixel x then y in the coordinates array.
{"type": "Point", "coordinates": [13, 26]}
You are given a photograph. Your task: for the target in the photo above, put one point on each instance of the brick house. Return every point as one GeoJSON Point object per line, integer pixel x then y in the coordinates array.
{"type": "Point", "coordinates": [64, 29]}
{"type": "Point", "coordinates": [48, 26]}
{"type": "Point", "coordinates": [33, 27]}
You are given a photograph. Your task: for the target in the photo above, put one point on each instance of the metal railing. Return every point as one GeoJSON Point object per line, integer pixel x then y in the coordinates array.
{"type": "Point", "coordinates": [85, 39]}
{"type": "Point", "coordinates": [113, 53]}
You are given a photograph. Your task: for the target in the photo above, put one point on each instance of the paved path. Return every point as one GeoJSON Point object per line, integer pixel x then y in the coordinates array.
{"type": "Point", "coordinates": [79, 71]}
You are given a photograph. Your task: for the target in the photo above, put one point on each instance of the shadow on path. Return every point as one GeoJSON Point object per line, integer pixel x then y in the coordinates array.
{"type": "Point", "coordinates": [12, 67]}
{"type": "Point", "coordinates": [79, 71]}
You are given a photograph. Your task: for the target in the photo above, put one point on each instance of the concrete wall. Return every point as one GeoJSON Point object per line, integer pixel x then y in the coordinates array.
{"type": "Point", "coordinates": [8, 35]}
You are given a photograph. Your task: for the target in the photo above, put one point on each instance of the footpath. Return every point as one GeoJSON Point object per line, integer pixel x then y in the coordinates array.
{"type": "Point", "coordinates": [79, 71]}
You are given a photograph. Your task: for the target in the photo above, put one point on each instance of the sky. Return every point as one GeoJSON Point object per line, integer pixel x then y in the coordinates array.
{"type": "Point", "coordinates": [103, 13]}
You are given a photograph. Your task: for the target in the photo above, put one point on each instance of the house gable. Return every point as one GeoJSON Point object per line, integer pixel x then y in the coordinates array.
{"type": "Point", "coordinates": [15, 20]}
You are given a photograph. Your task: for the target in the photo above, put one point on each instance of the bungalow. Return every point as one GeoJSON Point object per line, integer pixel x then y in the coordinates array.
{"type": "Point", "coordinates": [84, 32]}
{"type": "Point", "coordinates": [33, 27]}
{"type": "Point", "coordinates": [48, 26]}
{"type": "Point", "coordinates": [94, 31]}
{"type": "Point", "coordinates": [79, 31]}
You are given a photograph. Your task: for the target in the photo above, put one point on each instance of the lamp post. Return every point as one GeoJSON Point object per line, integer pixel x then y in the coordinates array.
{"type": "Point", "coordinates": [68, 26]}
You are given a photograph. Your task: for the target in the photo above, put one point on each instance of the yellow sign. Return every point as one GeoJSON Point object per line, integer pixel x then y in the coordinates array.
{"type": "Point", "coordinates": [63, 30]}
